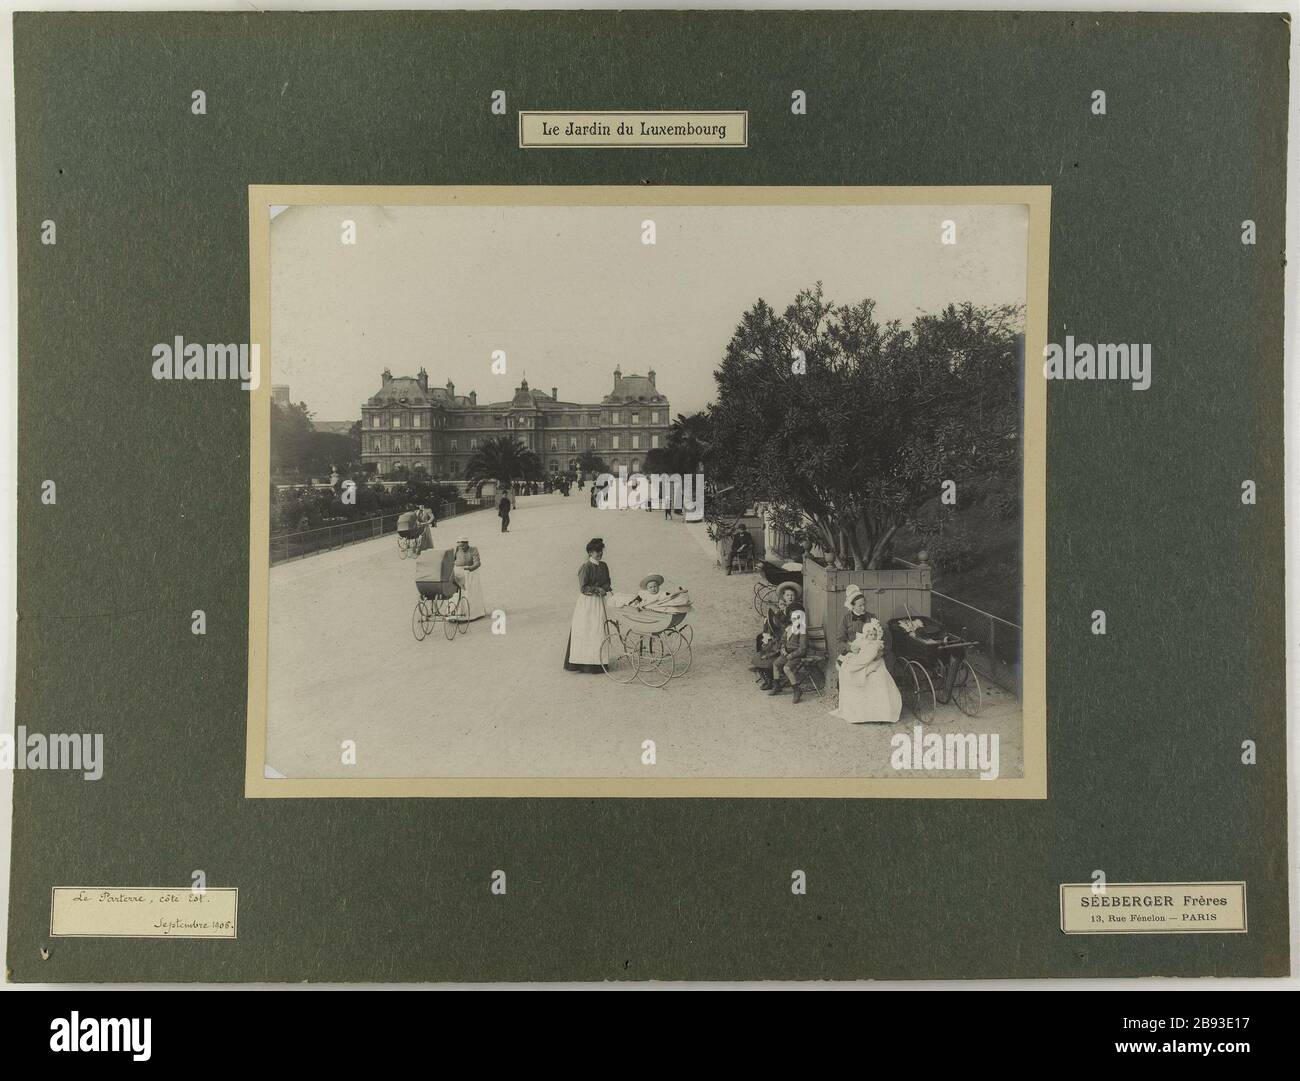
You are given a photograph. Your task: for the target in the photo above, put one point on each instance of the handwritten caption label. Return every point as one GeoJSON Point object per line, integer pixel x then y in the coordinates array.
{"type": "Point", "coordinates": [146, 912]}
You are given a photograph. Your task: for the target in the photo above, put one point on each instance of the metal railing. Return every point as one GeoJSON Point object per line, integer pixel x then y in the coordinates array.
{"type": "Point", "coordinates": [998, 652]}
{"type": "Point", "coordinates": [326, 538]}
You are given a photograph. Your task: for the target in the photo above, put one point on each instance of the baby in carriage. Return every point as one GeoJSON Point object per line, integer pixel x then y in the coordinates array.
{"type": "Point", "coordinates": [650, 586]}
{"type": "Point", "coordinates": [651, 595]}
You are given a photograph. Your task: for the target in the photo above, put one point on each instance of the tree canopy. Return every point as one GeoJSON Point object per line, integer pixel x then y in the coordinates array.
{"type": "Point", "coordinates": [848, 426]}
{"type": "Point", "coordinates": [299, 450]}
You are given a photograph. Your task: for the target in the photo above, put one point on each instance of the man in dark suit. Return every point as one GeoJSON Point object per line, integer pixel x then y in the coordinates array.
{"type": "Point", "coordinates": [742, 547]}
{"type": "Point", "coordinates": [503, 512]}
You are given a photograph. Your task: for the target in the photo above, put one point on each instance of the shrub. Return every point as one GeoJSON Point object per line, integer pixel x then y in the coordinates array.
{"type": "Point", "coordinates": [952, 552]}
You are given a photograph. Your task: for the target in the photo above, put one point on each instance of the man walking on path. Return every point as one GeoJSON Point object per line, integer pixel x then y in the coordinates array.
{"type": "Point", "coordinates": [503, 512]}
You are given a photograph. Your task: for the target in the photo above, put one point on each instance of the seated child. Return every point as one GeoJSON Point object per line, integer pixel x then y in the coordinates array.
{"type": "Point", "coordinates": [649, 588]}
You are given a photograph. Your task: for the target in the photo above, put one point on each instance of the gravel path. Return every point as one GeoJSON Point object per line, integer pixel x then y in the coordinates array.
{"type": "Point", "coordinates": [345, 666]}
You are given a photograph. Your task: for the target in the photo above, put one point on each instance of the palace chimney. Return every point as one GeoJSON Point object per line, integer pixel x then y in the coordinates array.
{"type": "Point", "coordinates": [423, 379]}
{"type": "Point", "coordinates": [555, 393]}
{"type": "Point", "coordinates": [387, 377]}
{"type": "Point", "coordinates": [451, 389]}
{"type": "Point", "coordinates": [652, 377]}
{"type": "Point", "coordinates": [473, 397]}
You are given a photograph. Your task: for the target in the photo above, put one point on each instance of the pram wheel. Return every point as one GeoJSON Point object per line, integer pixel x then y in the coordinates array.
{"type": "Point", "coordinates": [915, 687]}
{"type": "Point", "coordinates": [654, 669]}
{"type": "Point", "coordinates": [615, 659]}
{"type": "Point", "coordinates": [966, 690]}
{"type": "Point", "coordinates": [421, 621]}
{"type": "Point", "coordinates": [447, 612]}
{"type": "Point", "coordinates": [654, 666]}
{"type": "Point", "coordinates": [456, 615]}
{"type": "Point", "coordinates": [677, 651]}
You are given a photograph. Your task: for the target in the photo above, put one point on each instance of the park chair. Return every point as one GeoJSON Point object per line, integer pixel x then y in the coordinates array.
{"type": "Point", "coordinates": [743, 564]}
{"type": "Point", "coordinates": [814, 661]}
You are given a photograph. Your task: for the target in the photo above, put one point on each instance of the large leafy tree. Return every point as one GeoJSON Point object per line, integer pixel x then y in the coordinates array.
{"type": "Point", "coordinates": [299, 450]}
{"type": "Point", "coordinates": [684, 449]}
{"type": "Point", "coordinates": [848, 426]}
{"type": "Point", "coordinates": [503, 459]}
{"type": "Point", "coordinates": [291, 432]}
{"type": "Point", "coordinates": [591, 462]}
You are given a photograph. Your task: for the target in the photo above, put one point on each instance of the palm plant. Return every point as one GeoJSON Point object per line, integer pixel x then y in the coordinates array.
{"type": "Point", "coordinates": [503, 459]}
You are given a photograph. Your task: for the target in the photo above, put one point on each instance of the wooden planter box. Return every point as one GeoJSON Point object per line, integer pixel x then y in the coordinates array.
{"type": "Point", "coordinates": [889, 594]}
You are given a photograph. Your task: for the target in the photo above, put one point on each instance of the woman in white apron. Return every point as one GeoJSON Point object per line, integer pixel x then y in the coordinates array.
{"type": "Point", "coordinates": [468, 575]}
{"type": "Point", "coordinates": [587, 629]}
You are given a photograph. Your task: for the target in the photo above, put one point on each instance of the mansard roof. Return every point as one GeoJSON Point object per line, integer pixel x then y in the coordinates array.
{"type": "Point", "coordinates": [634, 388]}
{"type": "Point", "coordinates": [405, 389]}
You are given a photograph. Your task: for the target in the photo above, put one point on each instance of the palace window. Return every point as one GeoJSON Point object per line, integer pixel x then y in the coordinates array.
{"type": "Point", "coordinates": [374, 420]}
{"type": "Point", "coordinates": [554, 445]}
{"type": "Point", "coordinates": [573, 442]}
{"type": "Point", "coordinates": [654, 441]}
{"type": "Point", "coordinates": [636, 442]}
{"type": "Point", "coordinates": [592, 442]}
{"type": "Point", "coordinates": [473, 444]}
{"type": "Point", "coordinates": [452, 446]}
{"type": "Point", "coordinates": [654, 416]}
{"type": "Point", "coordinates": [614, 443]}
{"type": "Point", "coordinates": [417, 445]}
{"type": "Point", "coordinates": [613, 418]}
{"type": "Point", "coordinates": [636, 418]}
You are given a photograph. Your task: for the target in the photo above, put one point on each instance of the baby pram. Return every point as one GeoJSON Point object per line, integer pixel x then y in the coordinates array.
{"type": "Point", "coordinates": [440, 596]}
{"type": "Point", "coordinates": [407, 533]}
{"type": "Point", "coordinates": [930, 667]}
{"type": "Point", "coordinates": [650, 641]}
{"type": "Point", "coordinates": [774, 576]}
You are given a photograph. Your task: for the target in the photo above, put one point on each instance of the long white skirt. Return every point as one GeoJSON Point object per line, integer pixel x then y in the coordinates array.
{"type": "Point", "coordinates": [471, 585]}
{"type": "Point", "coordinates": [867, 698]}
{"type": "Point", "coordinates": [587, 630]}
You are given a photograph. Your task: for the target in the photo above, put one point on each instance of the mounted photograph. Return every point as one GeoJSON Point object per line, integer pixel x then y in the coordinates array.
{"type": "Point", "coordinates": [680, 492]}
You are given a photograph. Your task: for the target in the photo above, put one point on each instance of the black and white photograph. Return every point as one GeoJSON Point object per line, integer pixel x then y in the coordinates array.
{"type": "Point", "coordinates": [641, 493]}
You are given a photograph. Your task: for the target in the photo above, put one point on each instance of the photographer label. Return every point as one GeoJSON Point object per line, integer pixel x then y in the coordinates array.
{"type": "Point", "coordinates": [1126, 908]}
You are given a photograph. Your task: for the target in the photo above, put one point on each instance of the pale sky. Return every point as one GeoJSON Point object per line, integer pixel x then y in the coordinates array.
{"type": "Point", "coordinates": [569, 293]}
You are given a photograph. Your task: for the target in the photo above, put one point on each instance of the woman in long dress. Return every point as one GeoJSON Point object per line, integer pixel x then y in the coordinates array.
{"type": "Point", "coordinates": [587, 629]}
{"type": "Point", "coordinates": [468, 574]}
{"type": "Point", "coordinates": [868, 694]}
